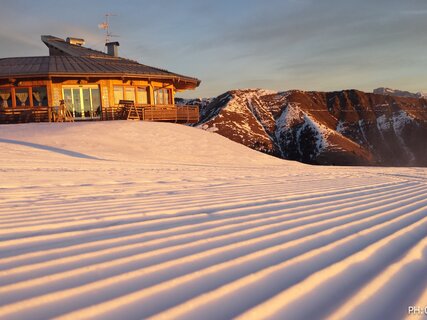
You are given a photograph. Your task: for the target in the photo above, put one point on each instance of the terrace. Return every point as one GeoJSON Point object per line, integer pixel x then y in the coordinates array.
{"type": "Point", "coordinates": [126, 111]}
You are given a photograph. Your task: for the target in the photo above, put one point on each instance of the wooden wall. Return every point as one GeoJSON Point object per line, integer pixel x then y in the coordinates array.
{"type": "Point", "coordinates": [54, 87]}
{"type": "Point", "coordinates": [106, 88]}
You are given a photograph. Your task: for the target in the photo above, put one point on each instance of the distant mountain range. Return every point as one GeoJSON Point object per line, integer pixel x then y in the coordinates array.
{"type": "Point", "coordinates": [400, 93]}
{"type": "Point", "coordinates": [347, 127]}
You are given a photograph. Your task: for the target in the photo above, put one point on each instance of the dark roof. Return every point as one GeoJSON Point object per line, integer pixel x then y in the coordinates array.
{"type": "Point", "coordinates": [80, 61]}
{"type": "Point", "coordinates": [72, 49]}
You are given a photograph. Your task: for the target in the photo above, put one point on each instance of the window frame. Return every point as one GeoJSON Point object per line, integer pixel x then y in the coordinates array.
{"type": "Point", "coordinates": [114, 93]}
{"type": "Point", "coordinates": [32, 96]}
{"type": "Point", "coordinates": [11, 96]}
{"type": "Point", "coordinates": [147, 94]}
{"type": "Point", "coordinates": [29, 88]}
{"type": "Point", "coordinates": [29, 98]}
{"type": "Point", "coordinates": [156, 92]}
{"type": "Point", "coordinates": [135, 91]}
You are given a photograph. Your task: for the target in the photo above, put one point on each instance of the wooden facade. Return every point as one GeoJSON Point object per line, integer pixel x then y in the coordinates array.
{"type": "Point", "coordinates": [88, 85]}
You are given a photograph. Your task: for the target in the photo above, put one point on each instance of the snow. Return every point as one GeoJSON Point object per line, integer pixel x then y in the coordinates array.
{"type": "Point", "coordinates": [383, 123]}
{"type": "Point", "coordinates": [322, 132]}
{"type": "Point", "coordinates": [244, 105]}
{"type": "Point", "coordinates": [400, 93]}
{"type": "Point", "coordinates": [361, 124]}
{"type": "Point", "coordinates": [132, 220]}
{"type": "Point", "coordinates": [341, 127]}
{"type": "Point", "coordinates": [239, 103]}
{"type": "Point", "coordinates": [398, 121]}
{"type": "Point", "coordinates": [293, 115]}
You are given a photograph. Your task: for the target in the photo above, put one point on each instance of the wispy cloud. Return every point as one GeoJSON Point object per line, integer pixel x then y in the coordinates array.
{"type": "Point", "coordinates": [276, 43]}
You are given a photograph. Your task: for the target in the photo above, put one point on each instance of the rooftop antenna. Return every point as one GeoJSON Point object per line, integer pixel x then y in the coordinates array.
{"type": "Point", "coordinates": [106, 26]}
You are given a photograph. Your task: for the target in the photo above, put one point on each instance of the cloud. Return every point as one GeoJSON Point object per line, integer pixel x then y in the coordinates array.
{"type": "Point", "coordinates": [286, 43]}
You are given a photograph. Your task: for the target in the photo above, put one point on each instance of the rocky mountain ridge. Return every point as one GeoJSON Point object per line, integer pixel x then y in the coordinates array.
{"type": "Point", "coordinates": [399, 93]}
{"type": "Point", "coordinates": [347, 127]}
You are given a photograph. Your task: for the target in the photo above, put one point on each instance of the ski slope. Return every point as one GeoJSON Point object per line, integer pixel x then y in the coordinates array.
{"type": "Point", "coordinates": [136, 220]}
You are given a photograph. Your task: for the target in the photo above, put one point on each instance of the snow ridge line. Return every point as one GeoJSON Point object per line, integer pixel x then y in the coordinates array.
{"type": "Point", "coordinates": [412, 189]}
{"type": "Point", "coordinates": [184, 215]}
{"type": "Point", "coordinates": [251, 229]}
{"type": "Point", "coordinates": [199, 229]}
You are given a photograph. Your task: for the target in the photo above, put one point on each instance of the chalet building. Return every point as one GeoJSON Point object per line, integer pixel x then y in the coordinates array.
{"type": "Point", "coordinates": [79, 83]}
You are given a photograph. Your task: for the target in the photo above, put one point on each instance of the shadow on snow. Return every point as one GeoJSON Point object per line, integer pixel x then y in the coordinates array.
{"type": "Point", "coordinates": [69, 153]}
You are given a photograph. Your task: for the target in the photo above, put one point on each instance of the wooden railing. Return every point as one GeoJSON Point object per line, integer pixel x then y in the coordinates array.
{"type": "Point", "coordinates": [26, 114]}
{"type": "Point", "coordinates": [181, 114]}
{"type": "Point", "coordinates": [171, 113]}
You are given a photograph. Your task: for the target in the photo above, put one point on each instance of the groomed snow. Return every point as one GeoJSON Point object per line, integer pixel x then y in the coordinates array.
{"type": "Point", "coordinates": [132, 220]}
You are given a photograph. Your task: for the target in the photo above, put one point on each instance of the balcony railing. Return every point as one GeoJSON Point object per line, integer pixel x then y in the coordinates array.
{"type": "Point", "coordinates": [170, 113]}
{"type": "Point", "coordinates": [25, 114]}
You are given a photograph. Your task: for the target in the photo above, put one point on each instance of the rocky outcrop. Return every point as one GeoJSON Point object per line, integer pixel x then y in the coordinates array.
{"type": "Point", "coordinates": [342, 128]}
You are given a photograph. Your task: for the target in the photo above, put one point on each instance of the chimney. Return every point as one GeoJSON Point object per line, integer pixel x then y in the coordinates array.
{"type": "Point", "coordinates": [113, 48]}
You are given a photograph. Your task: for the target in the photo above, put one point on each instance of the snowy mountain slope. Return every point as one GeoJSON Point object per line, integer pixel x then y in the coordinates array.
{"type": "Point", "coordinates": [135, 220]}
{"type": "Point", "coordinates": [348, 127]}
{"type": "Point", "coordinates": [241, 120]}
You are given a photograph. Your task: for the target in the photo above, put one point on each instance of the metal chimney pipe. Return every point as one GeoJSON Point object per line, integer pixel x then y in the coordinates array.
{"type": "Point", "coordinates": [113, 48]}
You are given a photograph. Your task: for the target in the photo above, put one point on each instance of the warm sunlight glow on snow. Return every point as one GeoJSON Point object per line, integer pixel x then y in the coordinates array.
{"type": "Point", "coordinates": [132, 220]}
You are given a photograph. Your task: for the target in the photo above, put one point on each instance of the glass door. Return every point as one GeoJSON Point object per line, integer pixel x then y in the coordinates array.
{"type": "Point", "coordinates": [87, 107]}
{"type": "Point", "coordinates": [83, 102]}
{"type": "Point", "coordinates": [68, 99]}
{"type": "Point", "coordinates": [77, 103]}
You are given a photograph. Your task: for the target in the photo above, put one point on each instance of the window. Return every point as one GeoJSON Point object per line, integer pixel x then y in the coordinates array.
{"type": "Point", "coordinates": [166, 96]}
{"type": "Point", "coordinates": [130, 93]}
{"type": "Point", "coordinates": [22, 97]}
{"type": "Point", "coordinates": [118, 94]}
{"type": "Point", "coordinates": [77, 103]}
{"type": "Point", "coordinates": [142, 96]}
{"type": "Point", "coordinates": [5, 98]}
{"type": "Point", "coordinates": [161, 96]}
{"type": "Point", "coordinates": [83, 102]}
{"type": "Point", "coordinates": [39, 96]}
{"type": "Point", "coordinates": [139, 95]}
{"type": "Point", "coordinates": [96, 102]}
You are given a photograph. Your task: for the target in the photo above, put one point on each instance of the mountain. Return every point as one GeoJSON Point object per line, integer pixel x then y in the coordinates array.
{"type": "Point", "coordinates": [400, 93]}
{"type": "Point", "coordinates": [347, 127]}
{"type": "Point", "coordinates": [201, 102]}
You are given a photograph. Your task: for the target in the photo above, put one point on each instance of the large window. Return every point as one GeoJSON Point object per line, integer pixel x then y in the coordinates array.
{"type": "Point", "coordinates": [139, 95]}
{"type": "Point", "coordinates": [5, 98]}
{"type": "Point", "coordinates": [39, 96]}
{"type": "Point", "coordinates": [118, 94]}
{"type": "Point", "coordinates": [130, 94]}
{"type": "Point", "coordinates": [22, 97]}
{"type": "Point", "coordinates": [96, 103]}
{"type": "Point", "coordinates": [83, 101]}
{"type": "Point", "coordinates": [161, 96]}
{"type": "Point", "coordinates": [142, 95]}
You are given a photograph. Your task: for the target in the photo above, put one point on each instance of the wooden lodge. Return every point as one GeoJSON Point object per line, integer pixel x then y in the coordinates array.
{"type": "Point", "coordinates": [79, 83]}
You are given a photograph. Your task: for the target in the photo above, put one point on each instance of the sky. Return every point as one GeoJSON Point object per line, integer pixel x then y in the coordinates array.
{"type": "Point", "coordinates": [320, 45]}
